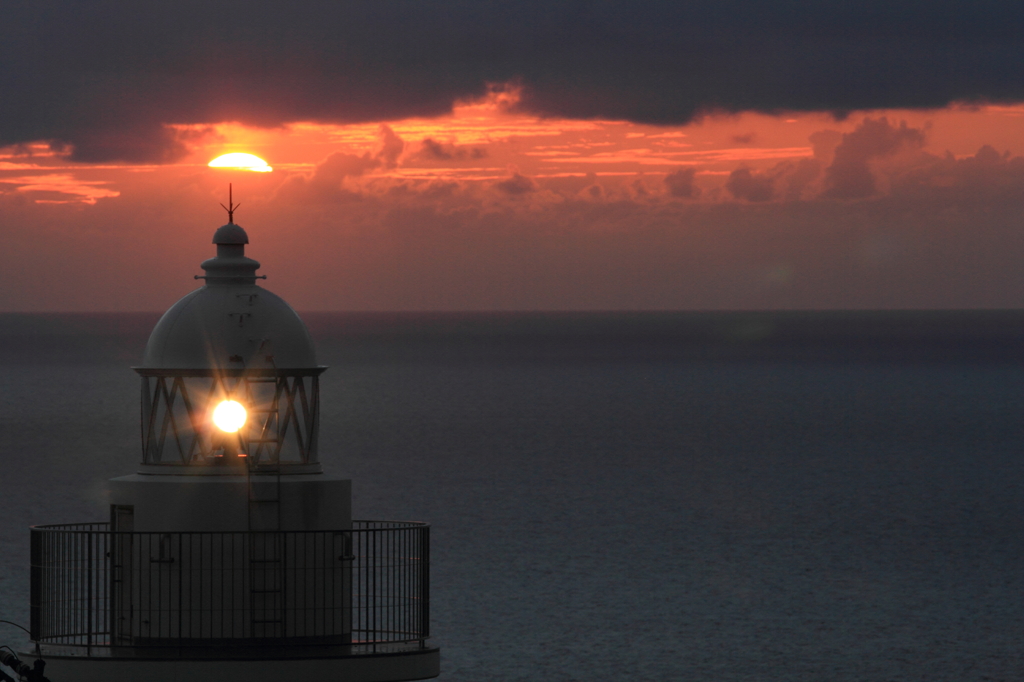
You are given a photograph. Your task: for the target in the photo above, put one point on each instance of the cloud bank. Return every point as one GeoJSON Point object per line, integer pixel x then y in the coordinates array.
{"type": "Point", "coordinates": [104, 79]}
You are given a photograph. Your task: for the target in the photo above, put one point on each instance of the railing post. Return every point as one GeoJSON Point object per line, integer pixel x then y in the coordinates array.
{"type": "Point", "coordinates": [425, 585]}
{"type": "Point", "coordinates": [181, 574]}
{"type": "Point", "coordinates": [36, 587]}
{"type": "Point", "coordinates": [88, 593]}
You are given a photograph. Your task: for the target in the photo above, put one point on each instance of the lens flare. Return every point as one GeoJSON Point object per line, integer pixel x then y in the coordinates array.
{"type": "Point", "coordinates": [240, 161]}
{"type": "Point", "coordinates": [229, 416]}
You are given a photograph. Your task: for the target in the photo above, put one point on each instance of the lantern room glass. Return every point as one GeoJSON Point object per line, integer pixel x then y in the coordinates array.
{"type": "Point", "coordinates": [281, 426]}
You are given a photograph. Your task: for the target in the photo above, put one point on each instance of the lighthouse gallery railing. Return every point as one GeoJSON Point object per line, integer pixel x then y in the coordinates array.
{"type": "Point", "coordinates": [365, 586]}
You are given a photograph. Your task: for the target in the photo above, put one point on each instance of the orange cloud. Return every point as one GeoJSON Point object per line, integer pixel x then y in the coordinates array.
{"type": "Point", "coordinates": [478, 140]}
{"type": "Point", "coordinates": [57, 188]}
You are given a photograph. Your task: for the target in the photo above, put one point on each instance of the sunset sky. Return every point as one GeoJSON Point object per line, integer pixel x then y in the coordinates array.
{"type": "Point", "coordinates": [517, 156]}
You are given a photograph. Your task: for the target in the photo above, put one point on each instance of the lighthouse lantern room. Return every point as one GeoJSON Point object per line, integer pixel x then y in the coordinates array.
{"type": "Point", "coordinates": [230, 553]}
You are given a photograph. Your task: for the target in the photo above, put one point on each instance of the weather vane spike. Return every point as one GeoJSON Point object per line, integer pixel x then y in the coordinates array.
{"type": "Point", "coordinates": [231, 207]}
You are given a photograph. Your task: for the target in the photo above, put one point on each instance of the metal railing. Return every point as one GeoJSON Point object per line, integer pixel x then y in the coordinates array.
{"type": "Point", "coordinates": [92, 587]}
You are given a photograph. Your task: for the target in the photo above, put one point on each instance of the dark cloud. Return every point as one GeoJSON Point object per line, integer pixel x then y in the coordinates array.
{"type": "Point", "coordinates": [390, 148]}
{"type": "Point", "coordinates": [102, 77]}
{"type": "Point", "coordinates": [433, 150]}
{"type": "Point", "coordinates": [517, 185]}
{"type": "Point", "coordinates": [986, 176]}
{"type": "Point", "coordinates": [338, 166]}
{"type": "Point", "coordinates": [850, 175]}
{"type": "Point", "coordinates": [798, 176]}
{"type": "Point", "coordinates": [824, 143]}
{"type": "Point", "coordinates": [750, 185]}
{"type": "Point", "coordinates": [680, 183]}
{"type": "Point", "coordinates": [327, 181]}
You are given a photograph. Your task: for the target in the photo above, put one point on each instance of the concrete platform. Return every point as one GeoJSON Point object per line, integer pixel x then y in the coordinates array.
{"type": "Point", "coordinates": [395, 663]}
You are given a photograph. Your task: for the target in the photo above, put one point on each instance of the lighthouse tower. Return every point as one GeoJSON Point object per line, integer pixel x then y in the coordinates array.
{"type": "Point", "coordinates": [230, 553]}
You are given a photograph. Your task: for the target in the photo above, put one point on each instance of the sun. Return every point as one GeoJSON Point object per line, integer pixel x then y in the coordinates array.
{"type": "Point", "coordinates": [240, 161]}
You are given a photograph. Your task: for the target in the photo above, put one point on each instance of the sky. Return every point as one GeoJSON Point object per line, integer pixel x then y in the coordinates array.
{"type": "Point", "coordinates": [517, 155]}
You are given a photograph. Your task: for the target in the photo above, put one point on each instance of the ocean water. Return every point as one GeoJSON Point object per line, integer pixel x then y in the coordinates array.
{"type": "Point", "coordinates": [660, 496]}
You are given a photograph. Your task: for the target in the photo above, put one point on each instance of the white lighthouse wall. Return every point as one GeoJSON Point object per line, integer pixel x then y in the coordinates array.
{"type": "Point", "coordinates": [190, 571]}
{"type": "Point", "coordinates": [175, 503]}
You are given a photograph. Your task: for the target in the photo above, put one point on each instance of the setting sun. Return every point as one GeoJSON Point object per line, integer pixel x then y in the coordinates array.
{"type": "Point", "coordinates": [241, 161]}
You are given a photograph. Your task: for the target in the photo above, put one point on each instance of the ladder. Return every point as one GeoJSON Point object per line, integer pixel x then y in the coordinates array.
{"type": "Point", "coordinates": [267, 556]}
{"type": "Point", "coordinates": [267, 559]}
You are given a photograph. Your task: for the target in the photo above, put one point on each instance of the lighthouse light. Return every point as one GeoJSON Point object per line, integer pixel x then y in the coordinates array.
{"type": "Point", "coordinates": [229, 416]}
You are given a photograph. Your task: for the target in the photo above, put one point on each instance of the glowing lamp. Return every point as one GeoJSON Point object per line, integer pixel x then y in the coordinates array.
{"type": "Point", "coordinates": [229, 416]}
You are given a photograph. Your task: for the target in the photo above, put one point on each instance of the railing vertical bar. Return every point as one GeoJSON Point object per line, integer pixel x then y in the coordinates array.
{"type": "Point", "coordinates": [328, 572]}
{"type": "Point", "coordinates": [199, 605]}
{"type": "Point", "coordinates": [386, 578]}
{"type": "Point", "coordinates": [181, 589]}
{"type": "Point", "coordinates": [367, 588]}
{"type": "Point", "coordinates": [160, 587]}
{"type": "Point", "coordinates": [80, 587]}
{"type": "Point", "coordinates": [51, 614]}
{"type": "Point", "coordinates": [280, 541]}
{"type": "Point", "coordinates": [408, 570]}
{"type": "Point", "coordinates": [228, 579]}
{"type": "Point", "coordinates": [60, 617]}
{"type": "Point", "coordinates": [37, 549]}
{"type": "Point", "coordinates": [403, 571]}
{"type": "Point", "coordinates": [66, 549]}
{"type": "Point", "coordinates": [393, 605]}
{"type": "Point", "coordinates": [105, 588]}
{"type": "Point", "coordinates": [69, 580]}
{"type": "Point", "coordinates": [57, 584]}
{"type": "Point", "coordinates": [414, 590]}
{"type": "Point", "coordinates": [366, 617]}
{"type": "Point", "coordinates": [88, 596]}
{"type": "Point", "coordinates": [82, 579]}
{"type": "Point", "coordinates": [391, 581]}
{"type": "Point", "coordinates": [224, 568]}
{"type": "Point", "coordinates": [54, 570]}
{"type": "Point", "coordinates": [378, 613]}
{"type": "Point", "coordinates": [408, 590]}
{"type": "Point", "coordinates": [35, 625]}
{"type": "Point", "coordinates": [144, 582]}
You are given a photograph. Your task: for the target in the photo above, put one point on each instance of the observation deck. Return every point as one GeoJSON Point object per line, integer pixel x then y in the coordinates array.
{"type": "Point", "coordinates": [268, 602]}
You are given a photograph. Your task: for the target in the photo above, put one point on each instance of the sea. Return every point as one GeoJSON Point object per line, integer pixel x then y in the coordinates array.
{"type": "Point", "coordinates": [678, 496]}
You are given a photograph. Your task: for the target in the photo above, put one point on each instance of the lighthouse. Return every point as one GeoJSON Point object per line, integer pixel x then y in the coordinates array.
{"type": "Point", "coordinates": [230, 553]}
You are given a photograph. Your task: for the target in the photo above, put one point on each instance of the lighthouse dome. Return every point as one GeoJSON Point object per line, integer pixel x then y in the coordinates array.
{"type": "Point", "coordinates": [230, 323]}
